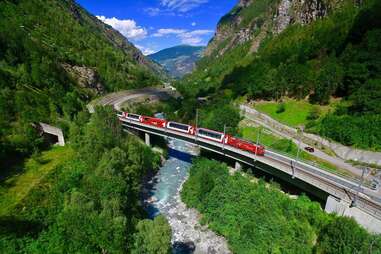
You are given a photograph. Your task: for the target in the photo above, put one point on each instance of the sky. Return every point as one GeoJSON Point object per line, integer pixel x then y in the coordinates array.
{"type": "Point", "coordinates": [153, 25]}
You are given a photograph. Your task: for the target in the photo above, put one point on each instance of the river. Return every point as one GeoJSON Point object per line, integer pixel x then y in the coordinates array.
{"type": "Point", "coordinates": [163, 197]}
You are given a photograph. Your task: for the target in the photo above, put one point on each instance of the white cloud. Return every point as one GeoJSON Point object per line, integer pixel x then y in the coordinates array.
{"type": "Point", "coordinates": [193, 24]}
{"type": "Point", "coordinates": [194, 37]}
{"type": "Point", "coordinates": [182, 5]}
{"type": "Point", "coordinates": [127, 27]}
{"type": "Point", "coordinates": [152, 11]}
{"type": "Point", "coordinates": [168, 31]}
{"type": "Point", "coordinates": [145, 50]}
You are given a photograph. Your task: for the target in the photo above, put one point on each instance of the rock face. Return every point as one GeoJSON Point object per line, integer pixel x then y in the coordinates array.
{"type": "Point", "coordinates": [85, 77]}
{"type": "Point", "coordinates": [249, 22]}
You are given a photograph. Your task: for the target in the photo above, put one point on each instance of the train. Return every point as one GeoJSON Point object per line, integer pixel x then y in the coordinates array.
{"type": "Point", "coordinates": [204, 133]}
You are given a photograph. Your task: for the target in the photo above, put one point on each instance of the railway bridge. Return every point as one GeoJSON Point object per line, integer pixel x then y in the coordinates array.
{"type": "Point", "coordinates": [343, 196]}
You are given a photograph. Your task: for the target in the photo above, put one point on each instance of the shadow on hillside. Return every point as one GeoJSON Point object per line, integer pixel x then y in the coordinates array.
{"type": "Point", "coordinates": [10, 225]}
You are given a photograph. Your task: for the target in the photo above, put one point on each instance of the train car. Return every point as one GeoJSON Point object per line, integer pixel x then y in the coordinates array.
{"type": "Point", "coordinates": [211, 135]}
{"type": "Point", "coordinates": [181, 127]}
{"type": "Point", "coordinates": [153, 121]}
{"type": "Point", "coordinates": [133, 117]}
{"type": "Point", "coordinates": [244, 145]}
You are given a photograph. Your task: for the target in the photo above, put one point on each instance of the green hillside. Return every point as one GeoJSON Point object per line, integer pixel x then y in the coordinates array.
{"type": "Point", "coordinates": [54, 56]}
{"type": "Point", "coordinates": [336, 55]}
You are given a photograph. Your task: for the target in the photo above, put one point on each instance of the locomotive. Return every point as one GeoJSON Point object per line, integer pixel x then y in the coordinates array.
{"type": "Point", "coordinates": [204, 133]}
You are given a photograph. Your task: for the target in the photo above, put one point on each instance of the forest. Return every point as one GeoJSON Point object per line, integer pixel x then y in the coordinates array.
{"type": "Point", "coordinates": [256, 217]}
{"type": "Point", "coordinates": [37, 40]}
{"type": "Point", "coordinates": [89, 203]}
{"type": "Point", "coordinates": [334, 57]}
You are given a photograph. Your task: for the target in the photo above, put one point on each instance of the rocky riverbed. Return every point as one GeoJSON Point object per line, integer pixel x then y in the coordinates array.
{"type": "Point", "coordinates": [162, 196]}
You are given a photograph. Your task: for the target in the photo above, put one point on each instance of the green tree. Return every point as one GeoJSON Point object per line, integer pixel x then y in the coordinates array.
{"type": "Point", "coordinates": [367, 99]}
{"type": "Point", "coordinates": [152, 237]}
{"type": "Point", "coordinates": [281, 107]}
{"type": "Point", "coordinates": [343, 235]}
{"type": "Point", "coordinates": [219, 115]}
{"type": "Point", "coordinates": [103, 132]}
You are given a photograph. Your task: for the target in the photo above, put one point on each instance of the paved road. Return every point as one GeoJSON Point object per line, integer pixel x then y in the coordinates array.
{"type": "Point", "coordinates": [118, 98]}
{"type": "Point", "coordinates": [317, 153]}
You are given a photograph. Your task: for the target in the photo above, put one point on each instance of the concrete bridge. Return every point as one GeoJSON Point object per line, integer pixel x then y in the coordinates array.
{"type": "Point", "coordinates": [343, 196]}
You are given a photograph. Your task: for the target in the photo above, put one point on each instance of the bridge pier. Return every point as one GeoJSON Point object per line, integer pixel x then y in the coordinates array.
{"type": "Point", "coordinates": [147, 139]}
{"type": "Point", "coordinates": [343, 208]}
{"type": "Point", "coordinates": [310, 179]}
{"type": "Point", "coordinates": [237, 165]}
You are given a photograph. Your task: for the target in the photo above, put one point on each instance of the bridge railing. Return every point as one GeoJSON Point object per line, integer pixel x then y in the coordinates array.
{"type": "Point", "coordinates": [344, 175]}
{"type": "Point", "coordinates": [314, 166]}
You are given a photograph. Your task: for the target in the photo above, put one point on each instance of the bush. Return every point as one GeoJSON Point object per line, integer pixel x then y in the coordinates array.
{"type": "Point", "coordinates": [360, 131]}
{"type": "Point", "coordinates": [314, 113]}
{"type": "Point", "coordinates": [343, 235]}
{"type": "Point", "coordinates": [153, 237]}
{"type": "Point", "coordinates": [281, 107]}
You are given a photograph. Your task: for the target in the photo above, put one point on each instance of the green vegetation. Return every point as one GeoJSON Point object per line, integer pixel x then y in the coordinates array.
{"type": "Point", "coordinates": [168, 107]}
{"type": "Point", "coordinates": [38, 40]}
{"type": "Point", "coordinates": [15, 188]}
{"type": "Point", "coordinates": [217, 115]}
{"type": "Point", "coordinates": [336, 56]}
{"type": "Point", "coordinates": [287, 146]}
{"type": "Point", "coordinates": [83, 198]}
{"type": "Point", "coordinates": [258, 218]}
{"type": "Point", "coordinates": [153, 237]}
{"type": "Point", "coordinates": [295, 113]}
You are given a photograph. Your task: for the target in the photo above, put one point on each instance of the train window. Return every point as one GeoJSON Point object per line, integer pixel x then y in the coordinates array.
{"type": "Point", "coordinates": [210, 134]}
{"type": "Point", "coordinates": [179, 126]}
{"type": "Point", "coordinates": [133, 116]}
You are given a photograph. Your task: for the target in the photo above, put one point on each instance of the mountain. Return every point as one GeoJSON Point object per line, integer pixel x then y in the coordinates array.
{"type": "Point", "coordinates": [178, 60]}
{"type": "Point", "coordinates": [55, 56]}
{"type": "Point", "coordinates": [312, 50]}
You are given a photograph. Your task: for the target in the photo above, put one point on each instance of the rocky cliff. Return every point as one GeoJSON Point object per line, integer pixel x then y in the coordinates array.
{"type": "Point", "coordinates": [253, 20]}
{"type": "Point", "coordinates": [309, 50]}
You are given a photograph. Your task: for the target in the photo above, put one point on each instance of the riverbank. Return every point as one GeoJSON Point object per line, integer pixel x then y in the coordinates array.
{"type": "Point", "coordinates": [256, 217]}
{"type": "Point", "coordinates": [162, 196]}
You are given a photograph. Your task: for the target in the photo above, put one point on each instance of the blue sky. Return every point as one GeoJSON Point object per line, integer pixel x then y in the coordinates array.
{"type": "Point", "coordinates": [153, 25]}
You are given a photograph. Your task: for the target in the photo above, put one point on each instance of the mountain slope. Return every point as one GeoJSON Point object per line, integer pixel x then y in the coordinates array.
{"type": "Point", "coordinates": [54, 56]}
{"type": "Point", "coordinates": [269, 49]}
{"type": "Point", "coordinates": [178, 60]}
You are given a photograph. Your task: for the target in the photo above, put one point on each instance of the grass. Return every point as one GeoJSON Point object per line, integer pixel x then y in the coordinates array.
{"type": "Point", "coordinates": [295, 114]}
{"type": "Point", "coordinates": [287, 146]}
{"type": "Point", "coordinates": [16, 187]}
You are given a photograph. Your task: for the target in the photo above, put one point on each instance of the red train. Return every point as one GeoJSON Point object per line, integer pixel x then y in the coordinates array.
{"type": "Point", "coordinates": [200, 132]}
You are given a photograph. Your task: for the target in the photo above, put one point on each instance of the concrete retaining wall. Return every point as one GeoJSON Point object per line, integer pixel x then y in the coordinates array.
{"type": "Point", "coordinates": [342, 208]}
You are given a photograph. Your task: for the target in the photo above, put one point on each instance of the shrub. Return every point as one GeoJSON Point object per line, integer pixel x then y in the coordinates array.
{"type": "Point", "coordinates": [281, 108]}
{"type": "Point", "coordinates": [314, 113]}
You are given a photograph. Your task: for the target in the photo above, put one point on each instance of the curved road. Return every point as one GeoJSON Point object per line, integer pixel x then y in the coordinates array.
{"type": "Point", "coordinates": [118, 98]}
{"type": "Point", "coordinates": [158, 93]}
